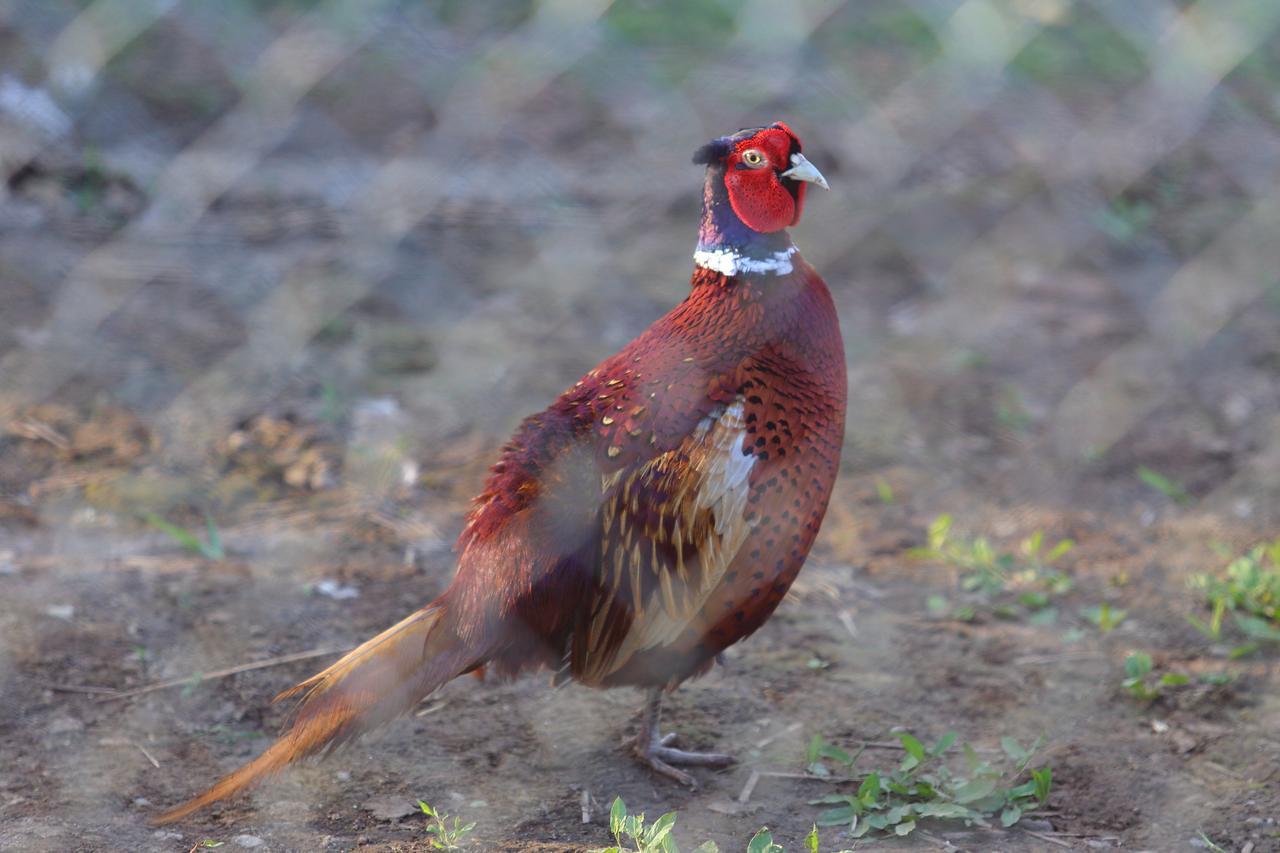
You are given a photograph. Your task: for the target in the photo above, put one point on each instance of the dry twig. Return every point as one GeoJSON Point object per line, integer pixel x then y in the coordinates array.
{"type": "Point", "coordinates": [1048, 838]}
{"type": "Point", "coordinates": [200, 678]}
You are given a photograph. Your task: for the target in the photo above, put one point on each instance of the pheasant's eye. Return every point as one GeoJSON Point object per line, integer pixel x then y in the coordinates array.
{"type": "Point", "coordinates": [752, 158]}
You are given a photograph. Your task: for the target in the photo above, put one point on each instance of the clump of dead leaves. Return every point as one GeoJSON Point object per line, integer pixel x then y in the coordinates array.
{"type": "Point", "coordinates": [105, 434]}
{"type": "Point", "coordinates": [269, 448]}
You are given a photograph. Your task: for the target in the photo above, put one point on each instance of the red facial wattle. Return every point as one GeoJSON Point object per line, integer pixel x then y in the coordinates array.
{"type": "Point", "coordinates": [764, 201]}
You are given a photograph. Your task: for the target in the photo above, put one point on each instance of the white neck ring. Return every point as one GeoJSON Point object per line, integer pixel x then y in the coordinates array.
{"type": "Point", "coordinates": [730, 262]}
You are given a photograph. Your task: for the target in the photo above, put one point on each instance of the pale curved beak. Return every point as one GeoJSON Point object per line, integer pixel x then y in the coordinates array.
{"type": "Point", "coordinates": [802, 170]}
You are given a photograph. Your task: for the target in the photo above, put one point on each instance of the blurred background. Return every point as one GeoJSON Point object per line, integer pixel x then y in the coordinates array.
{"type": "Point", "coordinates": [278, 278]}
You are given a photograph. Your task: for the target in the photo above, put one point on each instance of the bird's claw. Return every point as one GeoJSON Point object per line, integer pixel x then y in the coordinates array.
{"type": "Point", "coordinates": [662, 757]}
{"type": "Point", "coordinates": [634, 742]}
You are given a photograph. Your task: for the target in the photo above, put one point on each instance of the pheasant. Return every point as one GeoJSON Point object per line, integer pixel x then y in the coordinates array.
{"type": "Point", "coordinates": [655, 513]}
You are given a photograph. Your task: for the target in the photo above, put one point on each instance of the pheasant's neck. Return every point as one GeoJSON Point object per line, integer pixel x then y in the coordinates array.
{"type": "Point", "coordinates": [728, 246]}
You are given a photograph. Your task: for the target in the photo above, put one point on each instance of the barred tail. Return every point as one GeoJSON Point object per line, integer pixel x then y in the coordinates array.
{"type": "Point", "coordinates": [371, 685]}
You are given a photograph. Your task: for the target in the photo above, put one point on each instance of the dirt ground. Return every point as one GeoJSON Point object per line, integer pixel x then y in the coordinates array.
{"type": "Point", "coordinates": [316, 355]}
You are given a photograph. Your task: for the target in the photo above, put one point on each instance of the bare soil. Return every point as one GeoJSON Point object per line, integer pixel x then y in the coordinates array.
{"type": "Point", "coordinates": [330, 399]}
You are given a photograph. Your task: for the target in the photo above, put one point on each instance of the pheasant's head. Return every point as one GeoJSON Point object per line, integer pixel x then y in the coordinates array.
{"type": "Point", "coordinates": [763, 175]}
{"type": "Point", "coordinates": [754, 191]}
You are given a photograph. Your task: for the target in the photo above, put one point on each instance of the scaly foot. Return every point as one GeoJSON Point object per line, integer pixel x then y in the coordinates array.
{"type": "Point", "coordinates": [656, 750]}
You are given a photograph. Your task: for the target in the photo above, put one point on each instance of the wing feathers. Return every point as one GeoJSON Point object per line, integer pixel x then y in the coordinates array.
{"type": "Point", "coordinates": [689, 506]}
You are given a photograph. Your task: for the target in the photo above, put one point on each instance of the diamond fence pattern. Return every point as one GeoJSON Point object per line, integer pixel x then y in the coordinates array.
{"type": "Point", "coordinates": [1052, 236]}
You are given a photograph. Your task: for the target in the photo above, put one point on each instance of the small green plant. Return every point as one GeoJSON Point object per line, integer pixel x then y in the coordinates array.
{"type": "Point", "coordinates": [1251, 591]}
{"type": "Point", "coordinates": [1209, 844]}
{"type": "Point", "coordinates": [988, 572]}
{"type": "Point", "coordinates": [819, 752]}
{"type": "Point", "coordinates": [762, 842]}
{"type": "Point", "coordinates": [652, 838]}
{"type": "Point", "coordinates": [331, 403]}
{"type": "Point", "coordinates": [447, 836]}
{"type": "Point", "coordinates": [1140, 681]}
{"type": "Point", "coordinates": [1123, 220]}
{"type": "Point", "coordinates": [89, 186]}
{"type": "Point", "coordinates": [1171, 489]}
{"type": "Point", "coordinates": [884, 491]}
{"type": "Point", "coordinates": [1213, 628]}
{"type": "Point", "coordinates": [1011, 410]}
{"type": "Point", "coordinates": [632, 834]}
{"type": "Point", "coordinates": [1104, 617]}
{"type": "Point", "coordinates": [210, 550]}
{"type": "Point", "coordinates": [891, 802]}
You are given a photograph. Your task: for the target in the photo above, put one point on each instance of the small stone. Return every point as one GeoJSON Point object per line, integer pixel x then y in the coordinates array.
{"type": "Point", "coordinates": [64, 724]}
{"type": "Point", "coordinates": [247, 841]}
{"type": "Point", "coordinates": [335, 590]}
{"type": "Point", "coordinates": [1184, 741]}
{"type": "Point", "coordinates": [725, 807]}
{"type": "Point", "coordinates": [1237, 409]}
{"type": "Point", "coordinates": [60, 611]}
{"type": "Point", "coordinates": [287, 808]}
{"type": "Point", "coordinates": [389, 807]}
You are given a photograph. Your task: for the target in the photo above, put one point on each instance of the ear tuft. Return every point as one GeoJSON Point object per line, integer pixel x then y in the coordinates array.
{"type": "Point", "coordinates": [713, 152]}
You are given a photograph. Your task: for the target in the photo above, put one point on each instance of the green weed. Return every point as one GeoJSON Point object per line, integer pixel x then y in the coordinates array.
{"type": "Point", "coordinates": [210, 550]}
{"type": "Point", "coordinates": [1104, 617]}
{"type": "Point", "coordinates": [447, 836]}
{"type": "Point", "coordinates": [648, 838]}
{"type": "Point", "coordinates": [1011, 410]}
{"type": "Point", "coordinates": [1141, 682]}
{"type": "Point", "coordinates": [762, 842]}
{"type": "Point", "coordinates": [1250, 590]}
{"type": "Point", "coordinates": [1209, 844]}
{"type": "Point", "coordinates": [819, 751]}
{"type": "Point", "coordinates": [633, 833]}
{"type": "Point", "coordinates": [332, 408]}
{"type": "Point", "coordinates": [891, 802]}
{"type": "Point", "coordinates": [989, 572]}
{"type": "Point", "coordinates": [1171, 489]}
{"type": "Point", "coordinates": [89, 186]}
{"type": "Point", "coordinates": [1123, 220]}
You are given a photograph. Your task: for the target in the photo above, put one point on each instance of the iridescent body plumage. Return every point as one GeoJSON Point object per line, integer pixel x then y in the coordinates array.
{"type": "Point", "coordinates": [657, 511]}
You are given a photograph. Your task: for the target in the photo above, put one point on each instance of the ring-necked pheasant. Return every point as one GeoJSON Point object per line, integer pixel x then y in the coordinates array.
{"type": "Point", "coordinates": [654, 514]}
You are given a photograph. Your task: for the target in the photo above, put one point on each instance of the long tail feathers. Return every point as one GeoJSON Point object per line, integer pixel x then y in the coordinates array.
{"type": "Point", "coordinates": [370, 685]}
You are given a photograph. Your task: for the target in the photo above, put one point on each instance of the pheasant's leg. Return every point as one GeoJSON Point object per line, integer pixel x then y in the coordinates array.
{"type": "Point", "coordinates": [654, 749]}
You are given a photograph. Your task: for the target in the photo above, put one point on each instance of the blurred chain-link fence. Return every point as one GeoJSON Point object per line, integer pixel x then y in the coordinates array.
{"type": "Point", "coordinates": [280, 263]}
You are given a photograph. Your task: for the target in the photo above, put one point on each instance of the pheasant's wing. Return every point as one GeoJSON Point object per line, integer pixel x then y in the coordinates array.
{"type": "Point", "coordinates": [668, 529]}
